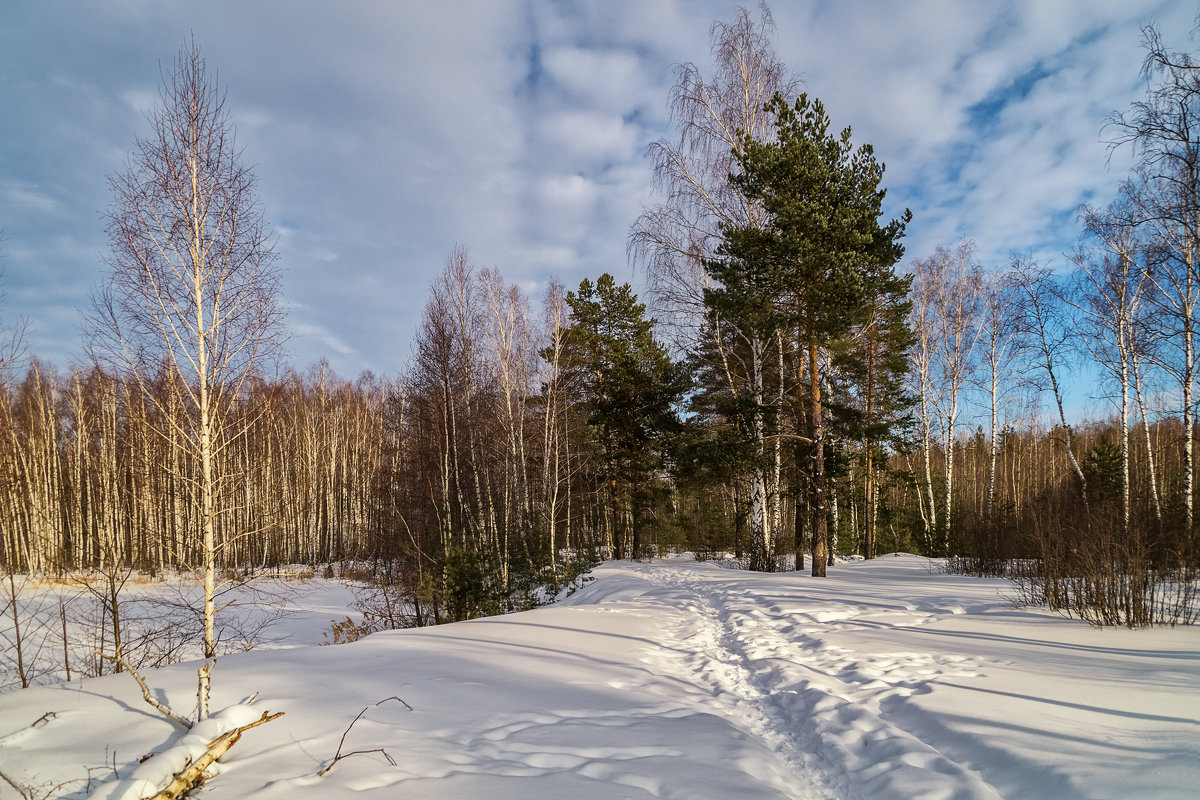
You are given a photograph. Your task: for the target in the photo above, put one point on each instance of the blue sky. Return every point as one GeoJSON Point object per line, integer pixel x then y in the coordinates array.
{"type": "Point", "coordinates": [385, 133]}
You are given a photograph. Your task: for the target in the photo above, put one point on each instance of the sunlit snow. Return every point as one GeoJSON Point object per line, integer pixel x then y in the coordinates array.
{"type": "Point", "coordinates": [672, 679]}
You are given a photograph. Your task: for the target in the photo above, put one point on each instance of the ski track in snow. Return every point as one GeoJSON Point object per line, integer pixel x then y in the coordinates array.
{"type": "Point", "coordinates": [720, 666]}
{"type": "Point", "coordinates": [820, 708]}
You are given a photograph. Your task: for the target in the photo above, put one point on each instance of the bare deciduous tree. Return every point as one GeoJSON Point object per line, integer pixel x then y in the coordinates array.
{"type": "Point", "coordinates": [692, 172]}
{"type": "Point", "coordinates": [1110, 292]}
{"type": "Point", "coordinates": [1001, 301]}
{"type": "Point", "coordinates": [556, 473]}
{"type": "Point", "coordinates": [1164, 133]}
{"type": "Point", "coordinates": [192, 289]}
{"type": "Point", "coordinates": [946, 299]}
{"type": "Point", "coordinates": [1044, 333]}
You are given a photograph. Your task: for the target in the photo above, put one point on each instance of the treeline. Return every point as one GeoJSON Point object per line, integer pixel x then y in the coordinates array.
{"type": "Point", "coordinates": [92, 475]}
{"type": "Point", "coordinates": [1103, 523]}
{"type": "Point", "coordinates": [481, 459]}
{"type": "Point", "coordinates": [474, 480]}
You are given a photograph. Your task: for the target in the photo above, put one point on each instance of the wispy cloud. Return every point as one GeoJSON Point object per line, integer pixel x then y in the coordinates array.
{"type": "Point", "coordinates": [28, 198]}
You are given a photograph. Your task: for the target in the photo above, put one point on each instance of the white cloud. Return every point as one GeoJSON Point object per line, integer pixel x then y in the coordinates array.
{"type": "Point", "coordinates": [612, 81]}
{"type": "Point", "coordinates": [589, 140]}
{"type": "Point", "coordinates": [325, 338]}
{"type": "Point", "coordinates": [140, 99]}
{"type": "Point", "coordinates": [385, 133]}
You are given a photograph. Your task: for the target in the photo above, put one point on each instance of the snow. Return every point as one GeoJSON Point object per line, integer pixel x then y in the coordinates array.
{"type": "Point", "coordinates": [159, 621]}
{"type": "Point", "coordinates": [155, 773]}
{"type": "Point", "coordinates": [668, 679]}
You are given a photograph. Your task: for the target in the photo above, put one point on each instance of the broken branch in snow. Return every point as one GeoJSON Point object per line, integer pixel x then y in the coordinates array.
{"type": "Point", "coordinates": [21, 790]}
{"type": "Point", "coordinates": [204, 688]}
{"type": "Point", "coordinates": [189, 777]}
{"type": "Point", "coordinates": [120, 660]}
{"type": "Point", "coordinates": [40, 792]}
{"type": "Point", "coordinates": [339, 755]}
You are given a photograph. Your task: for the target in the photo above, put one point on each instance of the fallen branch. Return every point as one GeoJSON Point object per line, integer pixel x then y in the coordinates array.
{"type": "Point", "coordinates": [189, 777]}
{"type": "Point", "coordinates": [120, 660]}
{"type": "Point", "coordinates": [40, 792]}
{"type": "Point", "coordinates": [339, 755]}
{"type": "Point", "coordinates": [21, 790]}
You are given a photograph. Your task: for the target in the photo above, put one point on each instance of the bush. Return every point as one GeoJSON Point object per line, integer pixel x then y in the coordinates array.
{"type": "Point", "coordinates": [1087, 565]}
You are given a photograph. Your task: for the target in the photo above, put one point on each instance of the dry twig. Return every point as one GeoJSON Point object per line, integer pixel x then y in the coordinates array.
{"type": "Point", "coordinates": [339, 755]}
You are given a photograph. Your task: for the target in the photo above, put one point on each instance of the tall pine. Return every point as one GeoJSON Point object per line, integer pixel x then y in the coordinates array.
{"type": "Point", "coordinates": [812, 270]}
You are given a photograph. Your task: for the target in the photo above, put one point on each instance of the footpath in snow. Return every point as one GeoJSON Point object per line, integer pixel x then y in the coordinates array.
{"type": "Point", "coordinates": [676, 679]}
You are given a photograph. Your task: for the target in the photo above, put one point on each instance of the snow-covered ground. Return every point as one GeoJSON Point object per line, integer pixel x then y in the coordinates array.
{"type": "Point", "coordinates": [674, 679]}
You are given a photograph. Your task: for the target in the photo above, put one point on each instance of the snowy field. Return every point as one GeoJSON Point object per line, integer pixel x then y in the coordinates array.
{"type": "Point", "coordinates": [670, 679]}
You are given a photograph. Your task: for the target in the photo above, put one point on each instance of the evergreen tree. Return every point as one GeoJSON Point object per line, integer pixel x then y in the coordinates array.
{"type": "Point", "coordinates": [874, 358]}
{"type": "Point", "coordinates": [810, 269]}
{"type": "Point", "coordinates": [629, 387]}
{"type": "Point", "coordinates": [743, 322]}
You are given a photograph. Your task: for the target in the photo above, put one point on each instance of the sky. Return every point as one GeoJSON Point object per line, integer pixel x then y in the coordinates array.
{"type": "Point", "coordinates": [385, 134]}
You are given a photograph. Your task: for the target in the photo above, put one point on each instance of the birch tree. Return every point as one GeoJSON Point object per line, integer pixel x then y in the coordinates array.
{"type": "Point", "coordinates": [556, 471]}
{"type": "Point", "coordinates": [921, 365]}
{"type": "Point", "coordinates": [1110, 292]}
{"type": "Point", "coordinates": [192, 288]}
{"type": "Point", "coordinates": [691, 172]}
{"type": "Point", "coordinates": [1044, 333]}
{"type": "Point", "coordinates": [999, 341]}
{"type": "Point", "coordinates": [1163, 131]}
{"type": "Point", "coordinates": [946, 289]}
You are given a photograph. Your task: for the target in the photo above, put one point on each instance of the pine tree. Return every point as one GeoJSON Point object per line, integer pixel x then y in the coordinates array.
{"type": "Point", "coordinates": [808, 270]}
{"type": "Point", "coordinates": [874, 358]}
{"type": "Point", "coordinates": [629, 387]}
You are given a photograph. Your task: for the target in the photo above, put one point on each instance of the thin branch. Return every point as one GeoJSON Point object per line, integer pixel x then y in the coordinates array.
{"type": "Point", "coordinates": [339, 755]}
{"type": "Point", "coordinates": [141, 682]}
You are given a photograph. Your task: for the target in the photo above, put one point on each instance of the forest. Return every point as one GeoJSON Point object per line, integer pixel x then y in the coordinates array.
{"type": "Point", "coordinates": [791, 387]}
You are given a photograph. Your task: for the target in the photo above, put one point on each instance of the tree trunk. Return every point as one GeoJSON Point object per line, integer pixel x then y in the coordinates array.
{"type": "Point", "coordinates": [869, 452]}
{"type": "Point", "coordinates": [1189, 466]}
{"type": "Point", "coordinates": [760, 534]}
{"type": "Point", "coordinates": [820, 533]}
{"type": "Point", "coordinates": [993, 451]}
{"type": "Point", "coordinates": [948, 499]}
{"type": "Point", "coordinates": [1150, 457]}
{"type": "Point", "coordinates": [869, 503]}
